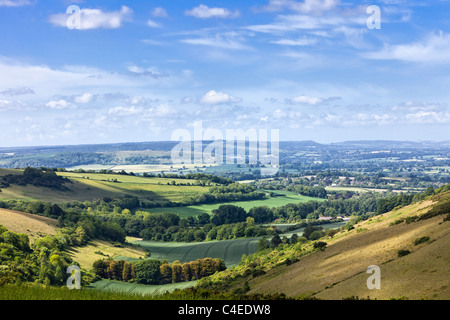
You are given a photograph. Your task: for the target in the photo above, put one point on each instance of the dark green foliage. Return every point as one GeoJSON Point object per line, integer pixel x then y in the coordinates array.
{"type": "Point", "coordinates": [402, 253]}
{"type": "Point", "coordinates": [35, 177]}
{"type": "Point", "coordinates": [44, 262]}
{"type": "Point", "coordinates": [263, 244]}
{"type": "Point", "coordinates": [153, 271]}
{"type": "Point", "coordinates": [320, 245]}
{"type": "Point", "coordinates": [227, 214]}
{"type": "Point", "coordinates": [421, 240]}
{"type": "Point", "coordinates": [385, 205]}
{"type": "Point", "coordinates": [148, 271]}
{"type": "Point", "coordinates": [275, 241]}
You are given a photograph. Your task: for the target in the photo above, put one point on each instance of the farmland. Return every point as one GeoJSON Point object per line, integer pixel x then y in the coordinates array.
{"type": "Point", "coordinates": [277, 201]}
{"type": "Point", "coordinates": [91, 186]}
{"type": "Point", "coordinates": [138, 289]}
{"type": "Point", "coordinates": [230, 251]}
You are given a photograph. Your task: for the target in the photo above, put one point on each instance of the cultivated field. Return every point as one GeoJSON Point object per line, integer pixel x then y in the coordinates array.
{"type": "Point", "coordinates": [133, 288]}
{"type": "Point", "coordinates": [230, 251]}
{"type": "Point", "coordinates": [290, 197]}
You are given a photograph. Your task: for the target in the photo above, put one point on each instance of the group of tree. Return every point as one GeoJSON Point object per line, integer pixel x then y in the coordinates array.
{"type": "Point", "coordinates": [35, 177]}
{"type": "Point", "coordinates": [168, 226]}
{"type": "Point", "coordinates": [225, 193]}
{"type": "Point", "coordinates": [153, 271]}
{"type": "Point", "coordinates": [42, 262]}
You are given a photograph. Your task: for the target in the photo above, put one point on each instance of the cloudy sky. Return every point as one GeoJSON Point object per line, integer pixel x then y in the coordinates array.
{"type": "Point", "coordinates": [76, 72]}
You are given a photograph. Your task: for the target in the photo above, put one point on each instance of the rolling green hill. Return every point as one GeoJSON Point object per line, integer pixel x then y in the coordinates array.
{"type": "Point", "coordinates": [91, 186]}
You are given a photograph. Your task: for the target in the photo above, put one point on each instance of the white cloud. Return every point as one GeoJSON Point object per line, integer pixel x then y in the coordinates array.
{"type": "Point", "coordinates": [306, 100]}
{"type": "Point", "coordinates": [84, 98]}
{"type": "Point", "coordinates": [306, 6]}
{"type": "Point", "coordinates": [205, 12]}
{"type": "Point", "coordinates": [125, 111]}
{"type": "Point", "coordinates": [313, 101]}
{"type": "Point", "coordinates": [159, 13]}
{"type": "Point", "coordinates": [153, 24]}
{"type": "Point", "coordinates": [59, 104]}
{"type": "Point", "coordinates": [434, 48]}
{"type": "Point", "coordinates": [94, 18]}
{"type": "Point", "coordinates": [14, 3]}
{"type": "Point", "coordinates": [428, 117]}
{"type": "Point", "coordinates": [218, 97]}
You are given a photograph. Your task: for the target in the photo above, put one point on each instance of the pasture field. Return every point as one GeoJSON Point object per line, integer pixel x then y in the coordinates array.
{"type": "Point", "coordinates": [91, 186]}
{"type": "Point", "coordinates": [139, 289]}
{"type": "Point", "coordinates": [289, 197]}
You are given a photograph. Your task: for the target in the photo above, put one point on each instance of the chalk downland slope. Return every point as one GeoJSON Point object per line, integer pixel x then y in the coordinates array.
{"type": "Point", "coordinates": [339, 272]}
{"type": "Point", "coordinates": [30, 224]}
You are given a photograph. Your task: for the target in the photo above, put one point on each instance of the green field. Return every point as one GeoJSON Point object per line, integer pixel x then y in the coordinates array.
{"type": "Point", "coordinates": [92, 186]}
{"type": "Point", "coordinates": [134, 288]}
{"type": "Point", "coordinates": [230, 251]}
{"type": "Point", "coordinates": [290, 197]}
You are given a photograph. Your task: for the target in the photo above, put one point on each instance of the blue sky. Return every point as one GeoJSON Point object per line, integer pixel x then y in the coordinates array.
{"type": "Point", "coordinates": [139, 70]}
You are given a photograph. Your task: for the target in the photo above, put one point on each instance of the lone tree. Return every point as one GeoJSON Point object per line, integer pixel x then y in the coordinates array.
{"type": "Point", "coordinates": [275, 242]}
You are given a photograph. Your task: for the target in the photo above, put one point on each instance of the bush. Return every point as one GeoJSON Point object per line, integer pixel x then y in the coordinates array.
{"type": "Point", "coordinates": [421, 240]}
{"type": "Point", "coordinates": [402, 253]}
{"type": "Point", "coordinates": [320, 245]}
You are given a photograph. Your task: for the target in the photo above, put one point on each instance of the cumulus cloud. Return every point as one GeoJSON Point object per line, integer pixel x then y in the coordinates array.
{"type": "Point", "coordinates": [218, 97]}
{"type": "Point", "coordinates": [93, 18]}
{"type": "Point", "coordinates": [84, 98]}
{"type": "Point", "coordinates": [59, 104]}
{"type": "Point", "coordinates": [205, 12]}
{"type": "Point", "coordinates": [159, 13]}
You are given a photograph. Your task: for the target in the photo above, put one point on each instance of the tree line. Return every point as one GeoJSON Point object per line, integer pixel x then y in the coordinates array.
{"type": "Point", "coordinates": [35, 177]}
{"type": "Point", "coordinates": [153, 271]}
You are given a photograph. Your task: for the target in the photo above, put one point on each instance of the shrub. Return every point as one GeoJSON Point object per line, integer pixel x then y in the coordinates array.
{"type": "Point", "coordinates": [411, 219]}
{"type": "Point", "coordinates": [402, 253]}
{"type": "Point", "coordinates": [320, 245]}
{"type": "Point", "coordinates": [421, 240]}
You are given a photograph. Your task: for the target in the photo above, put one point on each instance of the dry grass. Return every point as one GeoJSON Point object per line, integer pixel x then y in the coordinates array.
{"type": "Point", "coordinates": [30, 224]}
{"type": "Point", "coordinates": [99, 249]}
{"type": "Point", "coordinates": [340, 270]}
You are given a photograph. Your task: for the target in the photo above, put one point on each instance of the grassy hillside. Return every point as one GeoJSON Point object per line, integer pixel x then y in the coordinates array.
{"type": "Point", "coordinates": [99, 249]}
{"type": "Point", "coordinates": [90, 186]}
{"type": "Point", "coordinates": [30, 224]}
{"type": "Point", "coordinates": [339, 271]}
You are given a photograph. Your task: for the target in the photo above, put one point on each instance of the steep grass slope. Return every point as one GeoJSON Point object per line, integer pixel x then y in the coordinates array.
{"type": "Point", "coordinates": [339, 271]}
